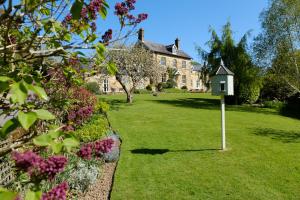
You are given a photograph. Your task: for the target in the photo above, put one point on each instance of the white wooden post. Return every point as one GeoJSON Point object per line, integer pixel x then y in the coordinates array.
{"type": "Point", "coordinates": [223, 122]}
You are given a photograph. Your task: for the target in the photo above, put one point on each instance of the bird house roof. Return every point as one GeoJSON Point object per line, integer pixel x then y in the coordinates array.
{"type": "Point", "coordinates": [223, 70]}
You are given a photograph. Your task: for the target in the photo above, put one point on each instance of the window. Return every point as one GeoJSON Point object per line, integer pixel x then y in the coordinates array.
{"type": "Point", "coordinates": [183, 64]}
{"type": "Point", "coordinates": [105, 85]}
{"type": "Point", "coordinates": [198, 84]}
{"type": "Point", "coordinates": [183, 79]}
{"type": "Point", "coordinates": [164, 78]}
{"type": "Point", "coordinates": [175, 63]}
{"type": "Point", "coordinates": [222, 86]}
{"type": "Point", "coordinates": [163, 61]}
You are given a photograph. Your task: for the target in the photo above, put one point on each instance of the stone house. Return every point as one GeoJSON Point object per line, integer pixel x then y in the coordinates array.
{"type": "Point", "coordinates": [169, 56]}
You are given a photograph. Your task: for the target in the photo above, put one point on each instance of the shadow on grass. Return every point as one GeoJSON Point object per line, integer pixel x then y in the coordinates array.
{"type": "Point", "coordinates": [212, 104]}
{"type": "Point", "coordinates": [146, 151]}
{"type": "Point", "coordinates": [280, 135]}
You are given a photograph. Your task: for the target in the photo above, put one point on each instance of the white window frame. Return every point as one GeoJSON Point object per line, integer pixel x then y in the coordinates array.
{"type": "Point", "coordinates": [174, 64]}
{"type": "Point", "coordinates": [163, 61]}
{"type": "Point", "coordinates": [198, 84]}
{"type": "Point", "coordinates": [105, 85]}
{"type": "Point", "coordinates": [183, 65]}
{"type": "Point", "coordinates": [183, 80]}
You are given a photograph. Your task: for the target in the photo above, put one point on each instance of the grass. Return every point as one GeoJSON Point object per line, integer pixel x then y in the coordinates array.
{"type": "Point", "coordinates": [171, 146]}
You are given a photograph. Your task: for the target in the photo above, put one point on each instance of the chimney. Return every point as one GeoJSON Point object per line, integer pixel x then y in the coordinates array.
{"type": "Point", "coordinates": [177, 43]}
{"type": "Point", "coordinates": [141, 35]}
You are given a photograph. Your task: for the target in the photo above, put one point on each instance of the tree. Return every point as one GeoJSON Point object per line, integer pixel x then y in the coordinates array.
{"type": "Point", "coordinates": [277, 46]}
{"type": "Point", "coordinates": [247, 81]}
{"type": "Point", "coordinates": [134, 65]}
{"type": "Point", "coordinates": [37, 36]}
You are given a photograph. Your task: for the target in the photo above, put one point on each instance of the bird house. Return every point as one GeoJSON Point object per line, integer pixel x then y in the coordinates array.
{"type": "Point", "coordinates": [222, 81]}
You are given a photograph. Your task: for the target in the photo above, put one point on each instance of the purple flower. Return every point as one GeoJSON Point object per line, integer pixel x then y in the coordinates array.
{"type": "Point", "coordinates": [38, 167]}
{"type": "Point", "coordinates": [107, 36]}
{"type": "Point", "coordinates": [71, 116]}
{"type": "Point", "coordinates": [68, 18]}
{"type": "Point", "coordinates": [84, 12]}
{"type": "Point", "coordinates": [121, 9]}
{"type": "Point", "coordinates": [141, 17]}
{"type": "Point", "coordinates": [86, 151]}
{"type": "Point", "coordinates": [103, 146]}
{"type": "Point", "coordinates": [52, 166]}
{"type": "Point", "coordinates": [130, 4]}
{"type": "Point", "coordinates": [25, 161]}
{"type": "Point", "coordinates": [97, 148]}
{"type": "Point", "coordinates": [57, 193]}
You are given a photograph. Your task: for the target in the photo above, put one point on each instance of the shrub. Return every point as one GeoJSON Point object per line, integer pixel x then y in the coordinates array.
{"type": "Point", "coordinates": [164, 85]}
{"type": "Point", "coordinates": [274, 104]}
{"type": "Point", "coordinates": [142, 91]}
{"type": "Point", "coordinates": [249, 93]}
{"type": "Point", "coordinates": [79, 174]}
{"type": "Point", "coordinates": [174, 90]}
{"type": "Point", "coordinates": [160, 87]}
{"type": "Point", "coordinates": [292, 106]}
{"type": "Point", "coordinates": [93, 87]}
{"type": "Point", "coordinates": [93, 130]}
{"type": "Point", "coordinates": [83, 175]}
{"type": "Point", "coordinates": [102, 107]}
{"type": "Point", "coordinates": [275, 87]}
{"type": "Point", "coordinates": [149, 87]}
{"type": "Point", "coordinates": [114, 154]}
{"type": "Point", "coordinates": [82, 107]}
{"type": "Point", "coordinates": [184, 87]}
{"type": "Point", "coordinates": [171, 83]}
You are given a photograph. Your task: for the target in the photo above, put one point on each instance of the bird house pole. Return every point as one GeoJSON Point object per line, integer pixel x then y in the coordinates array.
{"type": "Point", "coordinates": [222, 85]}
{"type": "Point", "coordinates": [223, 142]}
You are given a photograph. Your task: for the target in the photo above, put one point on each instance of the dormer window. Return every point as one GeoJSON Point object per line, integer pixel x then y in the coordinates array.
{"type": "Point", "coordinates": [174, 49]}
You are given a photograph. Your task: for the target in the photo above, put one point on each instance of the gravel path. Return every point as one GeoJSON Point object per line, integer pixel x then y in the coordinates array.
{"type": "Point", "coordinates": [100, 190]}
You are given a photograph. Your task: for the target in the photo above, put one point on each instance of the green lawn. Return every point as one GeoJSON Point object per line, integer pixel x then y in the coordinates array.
{"type": "Point", "coordinates": [171, 146]}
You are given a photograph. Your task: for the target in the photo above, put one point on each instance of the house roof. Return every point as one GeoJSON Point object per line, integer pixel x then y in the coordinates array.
{"type": "Point", "coordinates": [165, 49]}
{"type": "Point", "coordinates": [223, 70]}
{"type": "Point", "coordinates": [197, 67]}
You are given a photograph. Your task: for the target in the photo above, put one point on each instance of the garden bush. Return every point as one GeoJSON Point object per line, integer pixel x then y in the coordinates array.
{"type": "Point", "coordinates": [275, 87]}
{"type": "Point", "coordinates": [292, 106]}
{"type": "Point", "coordinates": [79, 173]}
{"type": "Point", "coordinates": [249, 93]}
{"type": "Point", "coordinates": [114, 154]}
{"type": "Point", "coordinates": [149, 87]}
{"type": "Point", "coordinates": [102, 107]}
{"type": "Point", "coordinates": [275, 104]}
{"type": "Point", "coordinates": [184, 87]}
{"type": "Point", "coordinates": [93, 87]}
{"type": "Point", "coordinates": [160, 87]}
{"type": "Point", "coordinates": [171, 83]}
{"type": "Point", "coordinates": [142, 91]}
{"type": "Point", "coordinates": [93, 130]}
{"type": "Point", "coordinates": [174, 90]}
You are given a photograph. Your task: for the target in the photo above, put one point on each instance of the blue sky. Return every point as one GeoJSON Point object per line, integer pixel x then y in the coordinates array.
{"type": "Point", "coordinates": [190, 19]}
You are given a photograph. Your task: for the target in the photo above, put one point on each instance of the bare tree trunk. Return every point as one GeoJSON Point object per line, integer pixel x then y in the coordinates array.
{"type": "Point", "coordinates": [129, 93]}
{"type": "Point", "coordinates": [129, 97]}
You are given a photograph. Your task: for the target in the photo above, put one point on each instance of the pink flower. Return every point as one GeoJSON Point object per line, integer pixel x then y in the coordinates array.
{"type": "Point", "coordinates": [57, 193]}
